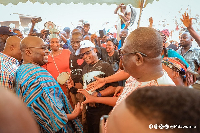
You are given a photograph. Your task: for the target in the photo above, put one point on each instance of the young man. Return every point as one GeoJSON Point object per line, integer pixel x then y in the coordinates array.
{"type": "Point", "coordinates": [86, 28]}
{"type": "Point", "coordinates": [99, 68]}
{"type": "Point", "coordinates": [190, 54]}
{"type": "Point", "coordinates": [40, 91]}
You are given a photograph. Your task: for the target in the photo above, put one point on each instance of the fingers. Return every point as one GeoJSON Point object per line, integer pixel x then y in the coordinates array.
{"type": "Point", "coordinates": [181, 19]}
{"type": "Point", "coordinates": [96, 78]}
{"type": "Point", "coordinates": [94, 88]}
{"type": "Point", "coordinates": [81, 106]}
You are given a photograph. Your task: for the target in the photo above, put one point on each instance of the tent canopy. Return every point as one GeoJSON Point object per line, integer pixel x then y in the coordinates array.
{"type": "Point", "coordinates": [135, 3]}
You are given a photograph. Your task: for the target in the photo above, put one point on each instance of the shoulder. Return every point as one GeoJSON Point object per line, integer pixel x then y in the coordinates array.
{"type": "Point", "coordinates": [165, 79]}
{"type": "Point", "coordinates": [66, 51]}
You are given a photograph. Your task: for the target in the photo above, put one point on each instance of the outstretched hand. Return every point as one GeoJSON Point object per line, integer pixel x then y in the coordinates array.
{"type": "Point", "coordinates": [78, 108]}
{"type": "Point", "coordinates": [96, 84]}
{"type": "Point", "coordinates": [89, 98]}
{"type": "Point", "coordinates": [187, 21]}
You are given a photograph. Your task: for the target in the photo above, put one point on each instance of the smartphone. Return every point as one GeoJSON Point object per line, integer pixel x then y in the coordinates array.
{"type": "Point", "coordinates": [102, 33]}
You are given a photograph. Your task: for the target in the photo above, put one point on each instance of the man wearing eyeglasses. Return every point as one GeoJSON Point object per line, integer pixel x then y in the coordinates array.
{"type": "Point", "coordinates": [41, 92]}
{"type": "Point", "coordinates": [99, 68]}
{"type": "Point", "coordinates": [141, 57]}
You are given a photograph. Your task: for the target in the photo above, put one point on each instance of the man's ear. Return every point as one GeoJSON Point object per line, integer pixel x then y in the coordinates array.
{"type": "Point", "coordinates": [176, 75]}
{"type": "Point", "coordinates": [28, 52]}
{"type": "Point", "coordinates": [11, 48]}
{"type": "Point", "coordinates": [139, 59]}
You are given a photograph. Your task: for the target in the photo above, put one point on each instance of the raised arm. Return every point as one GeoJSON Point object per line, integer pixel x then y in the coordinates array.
{"type": "Point", "coordinates": [187, 21]}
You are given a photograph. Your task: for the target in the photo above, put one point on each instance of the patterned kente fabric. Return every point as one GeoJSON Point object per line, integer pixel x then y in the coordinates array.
{"type": "Point", "coordinates": [43, 95]}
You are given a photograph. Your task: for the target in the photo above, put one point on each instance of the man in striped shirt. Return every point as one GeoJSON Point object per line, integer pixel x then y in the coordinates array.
{"type": "Point", "coordinates": [41, 92]}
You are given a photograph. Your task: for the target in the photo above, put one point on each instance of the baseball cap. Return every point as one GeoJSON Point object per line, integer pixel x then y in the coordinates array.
{"type": "Point", "coordinates": [6, 31]}
{"type": "Point", "coordinates": [86, 44]}
{"type": "Point", "coordinates": [66, 29]}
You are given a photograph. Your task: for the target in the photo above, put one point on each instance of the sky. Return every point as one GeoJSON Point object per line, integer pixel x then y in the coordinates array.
{"type": "Point", "coordinates": [164, 12]}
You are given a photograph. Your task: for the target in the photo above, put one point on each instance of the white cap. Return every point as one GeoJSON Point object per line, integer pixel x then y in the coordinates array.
{"type": "Point", "coordinates": [86, 44]}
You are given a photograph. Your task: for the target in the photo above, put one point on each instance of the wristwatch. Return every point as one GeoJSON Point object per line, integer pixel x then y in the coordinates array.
{"type": "Point", "coordinates": [98, 94]}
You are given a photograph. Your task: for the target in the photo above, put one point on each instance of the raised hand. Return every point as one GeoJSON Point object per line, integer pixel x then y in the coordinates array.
{"type": "Point", "coordinates": [187, 21]}
{"type": "Point", "coordinates": [78, 108]}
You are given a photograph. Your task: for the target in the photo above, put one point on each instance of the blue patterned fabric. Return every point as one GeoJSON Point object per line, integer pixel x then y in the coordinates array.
{"type": "Point", "coordinates": [43, 95]}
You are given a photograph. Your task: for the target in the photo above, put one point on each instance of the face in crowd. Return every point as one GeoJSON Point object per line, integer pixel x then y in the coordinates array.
{"type": "Point", "coordinates": [89, 55]}
{"type": "Point", "coordinates": [185, 40]}
{"type": "Point", "coordinates": [54, 44]}
{"type": "Point", "coordinates": [34, 50]}
{"type": "Point", "coordinates": [86, 28]}
{"type": "Point", "coordinates": [110, 47]}
{"type": "Point", "coordinates": [75, 40]}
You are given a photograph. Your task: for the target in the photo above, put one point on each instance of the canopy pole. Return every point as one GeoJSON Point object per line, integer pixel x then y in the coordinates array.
{"type": "Point", "coordinates": [141, 9]}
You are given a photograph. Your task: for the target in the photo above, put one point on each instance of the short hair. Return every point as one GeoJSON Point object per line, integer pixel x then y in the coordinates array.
{"type": "Point", "coordinates": [113, 40]}
{"type": "Point", "coordinates": [77, 34]}
{"type": "Point", "coordinates": [172, 105]}
{"type": "Point", "coordinates": [146, 40]}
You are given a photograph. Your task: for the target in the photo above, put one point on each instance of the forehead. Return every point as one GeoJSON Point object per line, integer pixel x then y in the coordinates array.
{"type": "Point", "coordinates": [185, 35]}
{"type": "Point", "coordinates": [86, 25]}
{"type": "Point", "coordinates": [83, 50]}
{"type": "Point", "coordinates": [110, 42]}
{"type": "Point", "coordinates": [54, 39]}
{"type": "Point", "coordinates": [77, 37]}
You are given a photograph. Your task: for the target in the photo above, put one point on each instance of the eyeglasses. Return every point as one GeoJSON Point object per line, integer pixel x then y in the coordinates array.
{"type": "Point", "coordinates": [44, 47]}
{"type": "Point", "coordinates": [87, 53]}
{"type": "Point", "coordinates": [121, 54]}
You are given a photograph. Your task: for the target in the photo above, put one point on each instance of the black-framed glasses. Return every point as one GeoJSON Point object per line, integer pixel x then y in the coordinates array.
{"type": "Point", "coordinates": [121, 54]}
{"type": "Point", "coordinates": [44, 47]}
{"type": "Point", "coordinates": [86, 53]}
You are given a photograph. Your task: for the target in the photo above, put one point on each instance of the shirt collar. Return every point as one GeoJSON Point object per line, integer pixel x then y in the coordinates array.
{"type": "Point", "coordinates": [7, 57]}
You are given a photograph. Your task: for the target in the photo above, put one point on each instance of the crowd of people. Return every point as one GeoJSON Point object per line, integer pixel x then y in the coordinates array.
{"type": "Point", "coordinates": [74, 81]}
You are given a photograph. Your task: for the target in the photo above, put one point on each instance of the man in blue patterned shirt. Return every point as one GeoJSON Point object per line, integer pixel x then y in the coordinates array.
{"type": "Point", "coordinates": [9, 60]}
{"type": "Point", "coordinates": [190, 54]}
{"type": "Point", "coordinates": [41, 92]}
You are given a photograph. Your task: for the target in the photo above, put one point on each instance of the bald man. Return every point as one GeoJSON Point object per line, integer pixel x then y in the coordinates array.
{"type": "Point", "coordinates": [9, 60]}
{"type": "Point", "coordinates": [41, 92]}
{"type": "Point", "coordinates": [14, 115]}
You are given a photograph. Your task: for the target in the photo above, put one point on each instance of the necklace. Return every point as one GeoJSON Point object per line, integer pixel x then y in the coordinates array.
{"type": "Point", "coordinates": [90, 70]}
{"type": "Point", "coordinates": [56, 54]}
